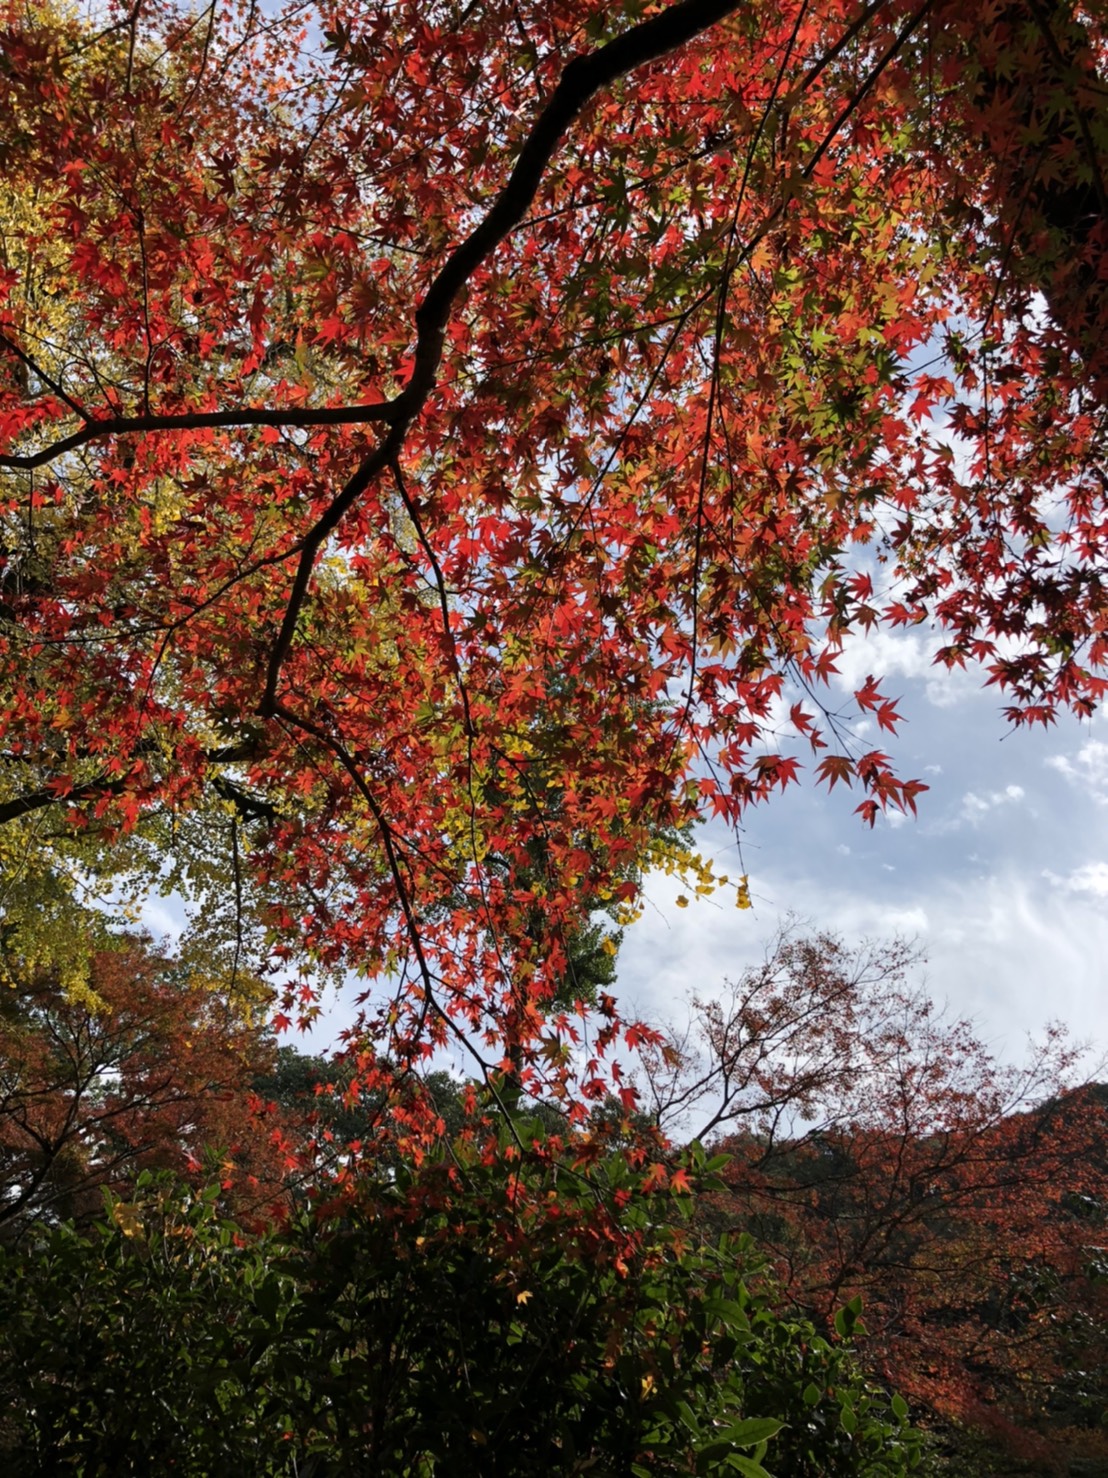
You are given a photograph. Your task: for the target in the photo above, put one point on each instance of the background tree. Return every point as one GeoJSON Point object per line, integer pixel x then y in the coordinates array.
{"type": "Point", "coordinates": [880, 1149]}
{"type": "Point", "coordinates": [142, 1065]}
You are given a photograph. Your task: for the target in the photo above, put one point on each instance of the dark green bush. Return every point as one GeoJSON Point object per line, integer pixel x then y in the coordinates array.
{"type": "Point", "coordinates": [473, 1316]}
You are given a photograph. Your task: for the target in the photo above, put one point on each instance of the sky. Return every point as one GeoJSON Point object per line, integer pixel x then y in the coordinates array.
{"type": "Point", "coordinates": [1002, 880]}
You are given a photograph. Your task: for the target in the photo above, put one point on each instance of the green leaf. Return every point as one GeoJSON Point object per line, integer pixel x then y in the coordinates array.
{"type": "Point", "coordinates": [846, 1320]}
{"type": "Point", "coordinates": [744, 1465]}
{"type": "Point", "coordinates": [753, 1430]}
{"type": "Point", "coordinates": [267, 1299]}
{"type": "Point", "coordinates": [726, 1309]}
{"type": "Point", "coordinates": [688, 1417]}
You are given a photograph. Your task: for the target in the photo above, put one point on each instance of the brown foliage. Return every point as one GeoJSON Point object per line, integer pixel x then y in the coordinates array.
{"type": "Point", "coordinates": [880, 1148]}
{"type": "Point", "coordinates": [141, 1069]}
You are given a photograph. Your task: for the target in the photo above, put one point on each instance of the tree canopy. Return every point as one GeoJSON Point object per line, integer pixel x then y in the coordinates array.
{"type": "Point", "coordinates": [445, 446]}
{"type": "Point", "coordinates": [445, 449]}
{"type": "Point", "coordinates": [144, 1065]}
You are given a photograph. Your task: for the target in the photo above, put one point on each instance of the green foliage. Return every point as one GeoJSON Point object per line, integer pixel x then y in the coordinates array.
{"type": "Point", "coordinates": [326, 1091]}
{"type": "Point", "coordinates": [142, 1346]}
{"type": "Point", "coordinates": [476, 1315]}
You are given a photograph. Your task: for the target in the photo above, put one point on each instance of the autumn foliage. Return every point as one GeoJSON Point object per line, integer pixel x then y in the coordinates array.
{"type": "Point", "coordinates": [880, 1150]}
{"type": "Point", "coordinates": [140, 1068]}
{"type": "Point", "coordinates": [445, 448]}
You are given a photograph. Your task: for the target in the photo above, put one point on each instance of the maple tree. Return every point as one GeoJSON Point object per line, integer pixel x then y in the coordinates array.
{"type": "Point", "coordinates": [880, 1150]}
{"type": "Point", "coordinates": [441, 442]}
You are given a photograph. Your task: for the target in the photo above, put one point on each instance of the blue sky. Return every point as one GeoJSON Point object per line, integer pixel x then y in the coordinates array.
{"type": "Point", "coordinates": [1003, 879]}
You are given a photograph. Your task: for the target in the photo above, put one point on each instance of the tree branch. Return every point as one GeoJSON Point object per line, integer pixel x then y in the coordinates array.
{"type": "Point", "coordinates": [339, 415]}
{"type": "Point", "coordinates": [37, 800]}
{"type": "Point", "coordinates": [580, 81]}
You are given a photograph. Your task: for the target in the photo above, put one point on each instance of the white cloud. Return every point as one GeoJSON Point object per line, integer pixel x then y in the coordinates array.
{"type": "Point", "coordinates": [1091, 879]}
{"type": "Point", "coordinates": [1001, 881]}
{"type": "Point", "coordinates": [1088, 769]}
{"type": "Point", "coordinates": [908, 654]}
{"type": "Point", "coordinates": [1003, 949]}
{"type": "Point", "coordinates": [976, 806]}
{"type": "Point", "coordinates": [164, 918]}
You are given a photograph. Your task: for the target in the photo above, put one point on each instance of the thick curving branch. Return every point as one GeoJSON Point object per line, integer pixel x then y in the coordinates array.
{"type": "Point", "coordinates": [37, 800]}
{"type": "Point", "coordinates": [227, 754]}
{"type": "Point", "coordinates": [580, 81]}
